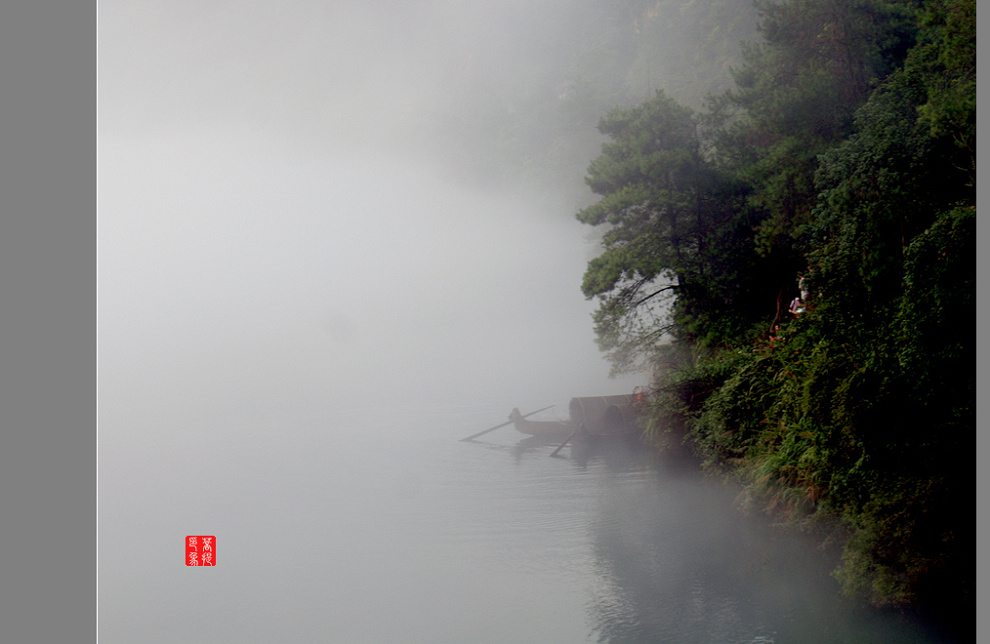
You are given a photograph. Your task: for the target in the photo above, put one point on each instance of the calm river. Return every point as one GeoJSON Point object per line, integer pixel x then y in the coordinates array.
{"type": "Point", "coordinates": [366, 528]}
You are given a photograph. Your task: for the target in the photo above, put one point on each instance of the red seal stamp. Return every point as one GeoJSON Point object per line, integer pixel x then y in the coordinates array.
{"type": "Point", "coordinates": [201, 550]}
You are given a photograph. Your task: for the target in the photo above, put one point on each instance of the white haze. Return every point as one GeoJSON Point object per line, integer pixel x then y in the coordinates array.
{"type": "Point", "coordinates": [303, 267]}
{"type": "Point", "coordinates": [284, 229]}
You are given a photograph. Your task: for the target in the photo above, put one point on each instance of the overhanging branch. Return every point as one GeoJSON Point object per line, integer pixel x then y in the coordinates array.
{"type": "Point", "coordinates": [655, 293]}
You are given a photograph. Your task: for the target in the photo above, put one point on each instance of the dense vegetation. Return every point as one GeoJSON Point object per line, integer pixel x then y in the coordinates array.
{"type": "Point", "coordinates": [838, 169]}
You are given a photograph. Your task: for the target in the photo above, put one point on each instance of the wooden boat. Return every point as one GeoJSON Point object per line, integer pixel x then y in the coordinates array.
{"type": "Point", "coordinates": [592, 416]}
{"type": "Point", "coordinates": [541, 428]}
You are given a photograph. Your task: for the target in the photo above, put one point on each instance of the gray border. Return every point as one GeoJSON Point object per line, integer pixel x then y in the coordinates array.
{"type": "Point", "coordinates": [48, 313]}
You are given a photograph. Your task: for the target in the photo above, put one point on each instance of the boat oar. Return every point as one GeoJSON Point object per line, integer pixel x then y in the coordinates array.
{"type": "Point", "coordinates": [559, 447]}
{"type": "Point", "coordinates": [491, 429]}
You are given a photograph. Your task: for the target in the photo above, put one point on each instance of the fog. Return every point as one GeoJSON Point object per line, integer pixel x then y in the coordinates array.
{"type": "Point", "coordinates": [315, 244]}
{"type": "Point", "coordinates": [295, 214]}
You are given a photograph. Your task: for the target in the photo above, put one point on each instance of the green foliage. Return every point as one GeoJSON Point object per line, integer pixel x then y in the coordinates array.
{"type": "Point", "coordinates": [948, 55]}
{"type": "Point", "coordinates": [652, 175]}
{"type": "Point", "coordinates": [847, 148]}
{"type": "Point", "coordinates": [938, 310]}
{"type": "Point", "coordinates": [797, 92]}
{"type": "Point", "coordinates": [679, 238]}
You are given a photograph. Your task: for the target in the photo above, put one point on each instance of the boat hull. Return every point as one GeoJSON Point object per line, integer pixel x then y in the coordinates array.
{"type": "Point", "coordinates": [541, 428]}
{"type": "Point", "coordinates": [590, 417]}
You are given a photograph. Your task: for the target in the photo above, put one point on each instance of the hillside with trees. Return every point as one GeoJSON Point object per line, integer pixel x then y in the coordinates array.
{"type": "Point", "coordinates": [583, 58]}
{"type": "Point", "coordinates": [794, 260]}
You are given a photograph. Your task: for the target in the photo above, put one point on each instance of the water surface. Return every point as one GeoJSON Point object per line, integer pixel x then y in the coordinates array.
{"type": "Point", "coordinates": [401, 533]}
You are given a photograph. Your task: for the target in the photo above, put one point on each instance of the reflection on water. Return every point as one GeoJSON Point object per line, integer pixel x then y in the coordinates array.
{"type": "Point", "coordinates": [364, 529]}
{"type": "Point", "coordinates": [675, 560]}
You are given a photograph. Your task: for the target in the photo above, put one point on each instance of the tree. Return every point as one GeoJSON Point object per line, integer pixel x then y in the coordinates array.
{"type": "Point", "coordinates": [651, 176]}
{"type": "Point", "coordinates": [848, 145]}
{"type": "Point", "coordinates": [796, 95]}
{"type": "Point", "coordinates": [679, 259]}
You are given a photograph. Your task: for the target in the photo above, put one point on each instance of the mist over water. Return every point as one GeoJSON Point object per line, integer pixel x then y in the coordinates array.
{"type": "Point", "coordinates": [245, 279]}
{"type": "Point", "coordinates": [300, 210]}
{"type": "Point", "coordinates": [413, 536]}
{"type": "Point", "coordinates": [306, 296]}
